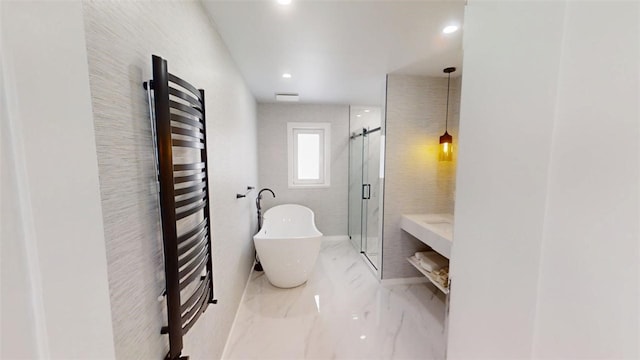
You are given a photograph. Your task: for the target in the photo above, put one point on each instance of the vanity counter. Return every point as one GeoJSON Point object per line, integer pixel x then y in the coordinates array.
{"type": "Point", "coordinates": [435, 230]}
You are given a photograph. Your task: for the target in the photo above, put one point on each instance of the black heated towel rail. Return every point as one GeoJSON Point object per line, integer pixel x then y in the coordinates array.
{"type": "Point", "coordinates": [178, 122]}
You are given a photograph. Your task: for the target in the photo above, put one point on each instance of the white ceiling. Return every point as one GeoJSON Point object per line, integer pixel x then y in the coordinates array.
{"type": "Point", "coordinates": [338, 52]}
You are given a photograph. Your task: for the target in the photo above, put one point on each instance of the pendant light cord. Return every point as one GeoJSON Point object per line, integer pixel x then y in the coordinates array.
{"type": "Point", "coordinates": [446, 118]}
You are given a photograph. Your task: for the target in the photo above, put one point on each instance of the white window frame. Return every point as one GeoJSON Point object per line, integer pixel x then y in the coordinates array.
{"type": "Point", "coordinates": [324, 130]}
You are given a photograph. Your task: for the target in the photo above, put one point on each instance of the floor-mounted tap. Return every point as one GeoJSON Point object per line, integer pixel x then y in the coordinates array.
{"type": "Point", "coordinates": [258, 266]}
{"type": "Point", "coordinates": [259, 206]}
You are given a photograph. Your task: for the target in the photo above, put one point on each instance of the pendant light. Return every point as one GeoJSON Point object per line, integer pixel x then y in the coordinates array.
{"type": "Point", "coordinates": [446, 140]}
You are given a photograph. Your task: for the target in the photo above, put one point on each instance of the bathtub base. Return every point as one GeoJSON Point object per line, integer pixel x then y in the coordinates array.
{"type": "Point", "coordinates": [290, 262]}
{"type": "Point", "coordinates": [285, 285]}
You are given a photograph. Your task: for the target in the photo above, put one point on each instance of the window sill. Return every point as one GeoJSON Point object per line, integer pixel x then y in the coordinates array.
{"type": "Point", "coordinates": [309, 187]}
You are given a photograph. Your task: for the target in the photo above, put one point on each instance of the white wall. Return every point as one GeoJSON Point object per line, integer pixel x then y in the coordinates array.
{"type": "Point", "coordinates": [545, 256]}
{"type": "Point", "coordinates": [17, 326]}
{"type": "Point", "coordinates": [506, 118]}
{"type": "Point", "coordinates": [588, 303]}
{"type": "Point", "coordinates": [329, 204]}
{"type": "Point", "coordinates": [53, 229]}
{"type": "Point", "coordinates": [121, 37]}
{"type": "Point", "coordinates": [415, 181]}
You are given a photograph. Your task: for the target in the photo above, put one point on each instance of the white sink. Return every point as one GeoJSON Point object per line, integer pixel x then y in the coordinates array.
{"type": "Point", "coordinates": [435, 230]}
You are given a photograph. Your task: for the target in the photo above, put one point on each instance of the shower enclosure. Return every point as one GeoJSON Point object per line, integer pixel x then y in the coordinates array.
{"type": "Point", "coordinates": [366, 175]}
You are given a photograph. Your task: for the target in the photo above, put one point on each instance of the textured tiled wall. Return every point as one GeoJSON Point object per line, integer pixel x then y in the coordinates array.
{"type": "Point", "coordinates": [121, 37]}
{"type": "Point", "coordinates": [329, 204]}
{"type": "Point", "coordinates": [415, 181]}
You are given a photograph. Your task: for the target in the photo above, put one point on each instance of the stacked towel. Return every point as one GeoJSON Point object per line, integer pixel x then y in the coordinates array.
{"type": "Point", "coordinates": [441, 277]}
{"type": "Point", "coordinates": [431, 260]}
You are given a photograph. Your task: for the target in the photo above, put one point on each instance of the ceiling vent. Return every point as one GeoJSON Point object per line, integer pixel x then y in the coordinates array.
{"type": "Point", "coordinates": [287, 97]}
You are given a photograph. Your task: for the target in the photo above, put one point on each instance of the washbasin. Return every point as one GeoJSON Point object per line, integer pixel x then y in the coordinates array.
{"type": "Point", "coordinates": [435, 230]}
{"type": "Point", "coordinates": [442, 228]}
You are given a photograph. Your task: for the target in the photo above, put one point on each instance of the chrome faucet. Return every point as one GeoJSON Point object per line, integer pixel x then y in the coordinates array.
{"type": "Point", "coordinates": [259, 206]}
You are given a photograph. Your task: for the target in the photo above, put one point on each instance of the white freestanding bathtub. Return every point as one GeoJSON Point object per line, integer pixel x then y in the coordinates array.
{"type": "Point", "coordinates": [288, 244]}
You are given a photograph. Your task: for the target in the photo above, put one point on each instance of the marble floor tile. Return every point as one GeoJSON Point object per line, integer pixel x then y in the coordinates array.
{"type": "Point", "coordinates": [342, 312]}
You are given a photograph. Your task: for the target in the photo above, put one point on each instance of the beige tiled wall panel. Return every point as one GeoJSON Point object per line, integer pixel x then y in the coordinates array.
{"type": "Point", "coordinates": [415, 181]}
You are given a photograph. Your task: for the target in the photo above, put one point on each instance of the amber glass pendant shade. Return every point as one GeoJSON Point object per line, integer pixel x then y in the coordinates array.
{"type": "Point", "coordinates": [446, 147]}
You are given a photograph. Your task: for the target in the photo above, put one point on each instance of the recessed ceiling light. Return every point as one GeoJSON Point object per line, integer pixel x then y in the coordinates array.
{"type": "Point", "coordinates": [450, 29]}
{"type": "Point", "coordinates": [286, 76]}
{"type": "Point", "coordinates": [284, 2]}
{"type": "Point", "coordinates": [358, 115]}
{"type": "Point", "coordinates": [366, 110]}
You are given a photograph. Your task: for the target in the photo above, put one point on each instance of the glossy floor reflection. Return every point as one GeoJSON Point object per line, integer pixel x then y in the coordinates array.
{"type": "Point", "coordinates": [342, 312]}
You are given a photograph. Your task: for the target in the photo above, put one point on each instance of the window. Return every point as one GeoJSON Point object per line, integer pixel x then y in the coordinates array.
{"type": "Point", "coordinates": [309, 149]}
